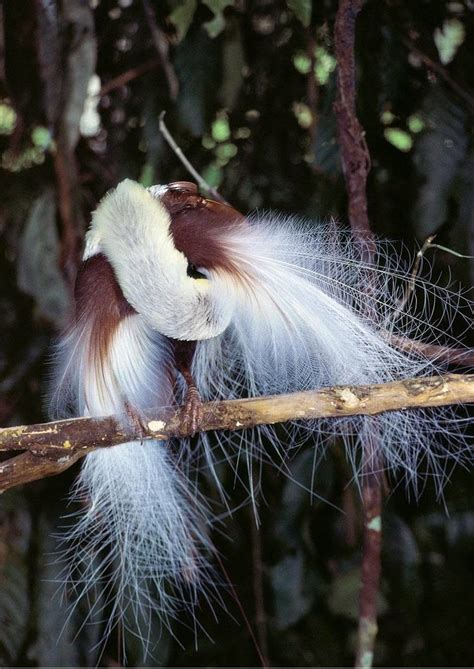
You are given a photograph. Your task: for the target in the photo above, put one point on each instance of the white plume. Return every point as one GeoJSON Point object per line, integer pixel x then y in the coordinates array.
{"type": "Point", "coordinates": [299, 320]}
{"type": "Point", "coordinates": [303, 321]}
{"type": "Point", "coordinates": [138, 546]}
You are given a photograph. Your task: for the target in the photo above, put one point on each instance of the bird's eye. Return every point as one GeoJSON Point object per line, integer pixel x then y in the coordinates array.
{"type": "Point", "coordinates": [194, 273]}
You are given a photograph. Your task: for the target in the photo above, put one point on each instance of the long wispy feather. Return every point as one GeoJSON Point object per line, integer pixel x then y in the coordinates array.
{"type": "Point", "coordinates": [301, 321]}
{"type": "Point", "coordinates": [139, 544]}
{"type": "Point", "coordinates": [278, 305]}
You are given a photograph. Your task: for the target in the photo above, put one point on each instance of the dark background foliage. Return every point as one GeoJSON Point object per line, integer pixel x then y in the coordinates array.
{"type": "Point", "coordinates": [248, 87]}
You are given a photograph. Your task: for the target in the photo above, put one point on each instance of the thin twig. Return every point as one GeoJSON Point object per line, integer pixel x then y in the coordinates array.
{"type": "Point", "coordinates": [162, 46]}
{"type": "Point", "coordinates": [63, 442]}
{"type": "Point", "coordinates": [441, 72]}
{"type": "Point", "coordinates": [129, 75]}
{"type": "Point", "coordinates": [459, 357]}
{"type": "Point", "coordinates": [202, 183]}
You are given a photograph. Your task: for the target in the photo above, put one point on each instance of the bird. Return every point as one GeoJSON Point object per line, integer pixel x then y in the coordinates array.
{"type": "Point", "coordinates": [183, 299]}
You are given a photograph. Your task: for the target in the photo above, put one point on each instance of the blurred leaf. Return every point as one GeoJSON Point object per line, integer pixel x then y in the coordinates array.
{"type": "Point", "coordinates": [400, 545]}
{"type": "Point", "coordinates": [460, 236]}
{"type": "Point", "coordinates": [197, 62]}
{"type": "Point", "coordinates": [220, 129]}
{"type": "Point", "coordinates": [432, 528]}
{"type": "Point", "coordinates": [324, 66]}
{"type": "Point", "coordinates": [343, 598]}
{"type": "Point", "coordinates": [438, 154]}
{"type": "Point", "coordinates": [147, 175]}
{"type": "Point", "coordinates": [448, 39]}
{"type": "Point", "coordinates": [303, 114]}
{"type": "Point", "coordinates": [415, 123]}
{"type": "Point", "coordinates": [7, 119]}
{"type": "Point", "coordinates": [233, 63]}
{"type": "Point", "coordinates": [15, 531]}
{"type": "Point", "coordinates": [302, 10]}
{"type": "Point", "coordinates": [293, 589]}
{"type": "Point", "coordinates": [80, 65]}
{"type": "Point", "coordinates": [182, 17]}
{"type": "Point", "coordinates": [38, 272]}
{"type": "Point", "coordinates": [216, 25]}
{"type": "Point", "coordinates": [303, 480]}
{"type": "Point", "coordinates": [399, 138]}
{"type": "Point", "coordinates": [54, 645]}
{"type": "Point", "coordinates": [49, 57]}
{"type": "Point", "coordinates": [325, 145]}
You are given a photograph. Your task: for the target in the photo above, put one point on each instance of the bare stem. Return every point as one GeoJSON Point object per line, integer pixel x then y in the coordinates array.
{"type": "Point", "coordinates": [355, 160]}
{"type": "Point", "coordinates": [371, 555]}
{"type": "Point", "coordinates": [202, 183]}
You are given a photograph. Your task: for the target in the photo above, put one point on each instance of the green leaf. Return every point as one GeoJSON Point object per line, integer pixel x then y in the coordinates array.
{"type": "Point", "coordinates": [324, 66]}
{"type": "Point", "coordinates": [302, 10]}
{"type": "Point", "coordinates": [448, 39]}
{"type": "Point", "coordinates": [182, 17]}
{"type": "Point", "coordinates": [399, 138]}
{"type": "Point", "coordinates": [343, 598]}
{"type": "Point", "coordinates": [302, 62]}
{"type": "Point", "coordinates": [217, 24]}
{"type": "Point", "coordinates": [220, 129]}
{"type": "Point", "coordinates": [7, 119]}
{"type": "Point", "coordinates": [415, 123]}
{"type": "Point", "coordinates": [147, 175]}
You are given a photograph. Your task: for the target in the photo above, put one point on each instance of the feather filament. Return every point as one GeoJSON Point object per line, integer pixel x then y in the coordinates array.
{"type": "Point", "coordinates": [282, 309]}
{"type": "Point", "coordinates": [138, 544]}
{"type": "Point", "coordinates": [299, 323]}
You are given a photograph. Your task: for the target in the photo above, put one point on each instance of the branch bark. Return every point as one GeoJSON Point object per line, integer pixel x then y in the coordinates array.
{"type": "Point", "coordinates": [59, 444]}
{"type": "Point", "coordinates": [355, 155]}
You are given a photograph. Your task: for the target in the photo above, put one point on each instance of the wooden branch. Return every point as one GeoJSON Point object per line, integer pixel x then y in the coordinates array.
{"type": "Point", "coordinates": [460, 357]}
{"type": "Point", "coordinates": [27, 467]}
{"type": "Point", "coordinates": [59, 444]}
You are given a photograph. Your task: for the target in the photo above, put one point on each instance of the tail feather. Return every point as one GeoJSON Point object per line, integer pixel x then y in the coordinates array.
{"type": "Point", "coordinates": [138, 544]}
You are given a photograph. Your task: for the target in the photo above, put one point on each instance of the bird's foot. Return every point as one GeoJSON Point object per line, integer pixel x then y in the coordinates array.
{"type": "Point", "coordinates": [192, 411]}
{"type": "Point", "coordinates": [136, 421]}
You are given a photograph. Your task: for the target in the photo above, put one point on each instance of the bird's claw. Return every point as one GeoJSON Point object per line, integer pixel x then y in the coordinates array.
{"type": "Point", "coordinates": [136, 421]}
{"type": "Point", "coordinates": [192, 411]}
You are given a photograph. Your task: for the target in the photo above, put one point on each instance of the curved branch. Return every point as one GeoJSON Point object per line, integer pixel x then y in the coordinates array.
{"type": "Point", "coordinates": [53, 447]}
